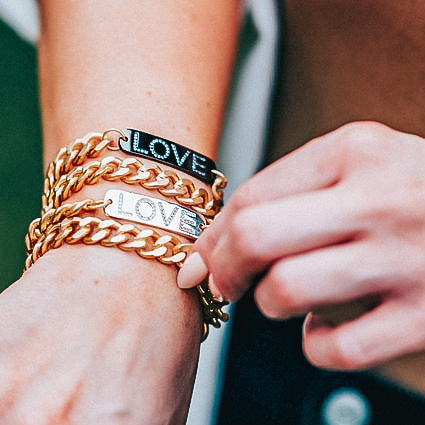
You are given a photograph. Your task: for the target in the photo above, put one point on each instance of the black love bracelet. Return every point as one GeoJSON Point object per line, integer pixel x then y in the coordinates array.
{"type": "Point", "coordinates": [162, 150]}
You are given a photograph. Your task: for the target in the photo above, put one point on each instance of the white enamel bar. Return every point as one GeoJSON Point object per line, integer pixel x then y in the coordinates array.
{"type": "Point", "coordinates": [155, 212]}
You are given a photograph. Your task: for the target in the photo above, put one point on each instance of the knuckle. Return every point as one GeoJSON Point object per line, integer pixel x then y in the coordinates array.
{"type": "Point", "coordinates": [407, 195]}
{"type": "Point", "coordinates": [349, 353]}
{"type": "Point", "coordinates": [376, 206]}
{"type": "Point", "coordinates": [284, 289]}
{"type": "Point", "coordinates": [207, 241]}
{"type": "Point", "coordinates": [364, 130]}
{"type": "Point", "coordinates": [244, 231]}
{"type": "Point", "coordinates": [242, 197]}
{"type": "Point", "coordinates": [397, 201]}
{"type": "Point", "coordinates": [363, 135]}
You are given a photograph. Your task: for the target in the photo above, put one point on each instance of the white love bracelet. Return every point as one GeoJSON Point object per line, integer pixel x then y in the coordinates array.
{"type": "Point", "coordinates": [154, 212]}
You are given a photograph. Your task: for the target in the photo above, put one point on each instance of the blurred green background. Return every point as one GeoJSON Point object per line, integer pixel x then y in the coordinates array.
{"type": "Point", "coordinates": [20, 155]}
{"type": "Point", "coordinates": [20, 136]}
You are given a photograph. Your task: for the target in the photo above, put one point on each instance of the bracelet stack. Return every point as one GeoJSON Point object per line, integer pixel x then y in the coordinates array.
{"type": "Point", "coordinates": [190, 208]}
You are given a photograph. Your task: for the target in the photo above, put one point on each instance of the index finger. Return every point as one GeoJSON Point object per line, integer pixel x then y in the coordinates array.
{"type": "Point", "coordinates": [312, 167]}
{"type": "Point", "coordinates": [283, 178]}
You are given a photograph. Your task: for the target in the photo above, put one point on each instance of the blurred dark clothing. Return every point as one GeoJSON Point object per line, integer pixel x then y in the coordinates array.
{"type": "Point", "coordinates": [268, 381]}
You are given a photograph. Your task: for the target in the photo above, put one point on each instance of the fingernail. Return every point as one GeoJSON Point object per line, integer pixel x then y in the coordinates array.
{"type": "Point", "coordinates": [313, 322]}
{"type": "Point", "coordinates": [315, 345]}
{"type": "Point", "coordinates": [213, 288]}
{"type": "Point", "coordinates": [194, 270]}
{"type": "Point", "coordinates": [318, 353]}
{"type": "Point", "coordinates": [306, 323]}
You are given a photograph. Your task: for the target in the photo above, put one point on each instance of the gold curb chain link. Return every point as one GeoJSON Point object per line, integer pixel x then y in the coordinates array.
{"type": "Point", "coordinates": [60, 224]}
{"type": "Point", "coordinates": [91, 230]}
{"type": "Point", "coordinates": [61, 180]}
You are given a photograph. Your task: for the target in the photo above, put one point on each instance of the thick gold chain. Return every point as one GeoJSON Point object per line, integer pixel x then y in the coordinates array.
{"type": "Point", "coordinates": [91, 230]}
{"type": "Point", "coordinates": [59, 224]}
{"type": "Point", "coordinates": [130, 171]}
{"type": "Point", "coordinates": [62, 178]}
{"type": "Point", "coordinates": [211, 308]}
{"type": "Point", "coordinates": [53, 216]}
{"type": "Point", "coordinates": [58, 227]}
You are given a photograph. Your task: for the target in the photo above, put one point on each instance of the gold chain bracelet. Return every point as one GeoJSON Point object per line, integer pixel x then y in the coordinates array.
{"type": "Point", "coordinates": [40, 225]}
{"type": "Point", "coordinates": [212, 311]}
{"type": "Point", "coordinates": [60, 224]}
{"type": "Point", "coordinates": [129, 170]}
{"type": "Point", "coordinates": [91, 230]}
{"type": "Point", "coordinates": [57, 227]}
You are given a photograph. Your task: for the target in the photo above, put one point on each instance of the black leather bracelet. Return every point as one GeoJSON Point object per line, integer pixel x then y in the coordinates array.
{"type": "Point", "coordinates": [162, 150]}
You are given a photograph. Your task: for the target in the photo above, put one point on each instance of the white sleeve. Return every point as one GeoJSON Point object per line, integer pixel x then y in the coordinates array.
{"type": "Point", "coordinates": [241, 153]}
{"type": "Point", "coordinates": [22, 16]}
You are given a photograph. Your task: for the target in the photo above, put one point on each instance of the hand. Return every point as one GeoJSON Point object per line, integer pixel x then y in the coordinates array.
{"type": "Point", "coordinates": [339, 220]}
{"type": "Point", "coordinates": [93, 335]}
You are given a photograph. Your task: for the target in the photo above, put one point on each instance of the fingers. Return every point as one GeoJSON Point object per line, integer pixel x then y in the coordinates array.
{"type": "Point", "coordinates": [250, 228]}
{"type": "Point", "coordinates": [285, 177]}
{"type": "Point", "coordinates": [333, 275]}
{"type": "Point", "coordinates": [281, 179]}
{"type": "Point", "coordinates": [367, 340]}
{"type": "Point", "coordinates": [319, 164]}
{"type": "Point", "coordinates": [303, 282]}
{"type": "Point", "coordinates": [194, 272]}
{"type": "Point", "coordinates": [261, 234]}
{"type": "Point", "coordinates": [315, 165]}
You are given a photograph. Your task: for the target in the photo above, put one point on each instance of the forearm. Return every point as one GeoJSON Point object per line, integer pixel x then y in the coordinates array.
{"type": "Point", "coordinates": [163, 67]}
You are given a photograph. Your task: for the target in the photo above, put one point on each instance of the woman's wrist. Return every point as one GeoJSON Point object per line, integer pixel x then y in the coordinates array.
{"type": "Point", "coordinates": [107, 310]}
{"type": "Point", "coordinates": [83, 167]}
{"type": "Point", "coordinates": [120, 278]}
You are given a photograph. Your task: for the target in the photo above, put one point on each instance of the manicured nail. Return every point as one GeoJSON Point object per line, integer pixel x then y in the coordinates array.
{"type": "Point", "coordinates": [313, 322]}
{"type": "Point", "coordinates": [316, 348]}
{"type": "Point", "coordinates": [306, 323]}
{"type": "Point", "coordinates": [194, 270]}
{"type": "Point", "coordinates": [213, 288]}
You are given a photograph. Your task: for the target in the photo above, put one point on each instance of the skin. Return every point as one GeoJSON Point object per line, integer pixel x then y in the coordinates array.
{"type": "Point", "coordinates": [342, 220]}
{"type": "Point", "coordinates": [86, 331]}
{"type": "Point", "coordinates": [82, 334]}
{"type": "Point", "coordinates": [329, 239]}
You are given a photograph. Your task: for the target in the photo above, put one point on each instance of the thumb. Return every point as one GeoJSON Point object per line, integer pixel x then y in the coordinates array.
{"type": "Point", "coordinates": [195, 269]}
